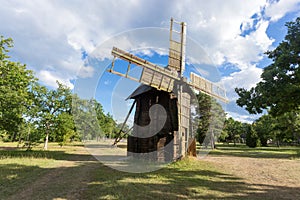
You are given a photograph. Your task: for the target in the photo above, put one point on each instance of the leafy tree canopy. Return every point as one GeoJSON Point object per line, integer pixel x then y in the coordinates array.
{"type": "Point", "coordinates": [33, 113]}
{"type": "Point", "coordinates": [279, 90]}
{"type": "Point", "coordinates": [15, 82]}
{"type": "Point", "coordinates": [209, 119]}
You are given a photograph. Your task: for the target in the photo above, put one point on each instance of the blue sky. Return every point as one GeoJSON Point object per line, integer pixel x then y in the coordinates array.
{"type": "Point", "coordinates": [71, 41]}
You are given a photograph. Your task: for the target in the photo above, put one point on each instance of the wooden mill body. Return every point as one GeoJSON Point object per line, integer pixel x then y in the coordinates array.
{"type": "Point", "coordinates": [170, 142]}
{"type": "Point", "coordinates": [164, 86]}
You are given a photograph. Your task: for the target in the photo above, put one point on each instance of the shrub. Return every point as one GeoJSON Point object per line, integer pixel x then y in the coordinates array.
{"type": "Point", "coordinates": [252, 139]}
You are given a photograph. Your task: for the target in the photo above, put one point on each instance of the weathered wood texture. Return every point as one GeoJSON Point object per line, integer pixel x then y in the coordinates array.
{"type": "Point", "coordinates": [168, 143]}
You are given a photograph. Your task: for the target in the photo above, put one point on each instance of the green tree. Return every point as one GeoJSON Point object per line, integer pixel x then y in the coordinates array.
{"type": "Point", "coordinates": [287, 127]}
{"type": "Point", "coordinates": [279, 90]}
{"type": "Point", "coordinates": [217, 121]}
{"type": "Point", "coordinates": [232, 130]}
{"type": "Point", "coordinates": [51, 104]}
{"type": "Point", "coordinates": [126, 129]}
{"type": "Point", "coordinates": [85, 114]}
{"type": "Point", "coordinates": [15, 83]}
{"type": "Point", "coordinates": [103, 121]}
{"type": "Point", "coordinates": [252, 139]}
{"type": "Point", "coordinates": [203, 116]}
{"type": "Point", "coordinates": [107, 124]}
{"type": "Point", "coordinates": [29, 134]}
{"type": "Point", "coordinates": [280, 129]}
{"type": "Point", "coordinates": [210, 118]}
{"type": "Point", "coordinates": [264, 128]}
{"type": "Point", "coordinates": [64, 128]}
{"type": "Point", "coordinates": [110, 126]}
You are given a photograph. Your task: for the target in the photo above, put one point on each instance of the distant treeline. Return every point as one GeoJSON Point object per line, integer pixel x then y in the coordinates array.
{"type": "Point", "coordinates": [31, 113]}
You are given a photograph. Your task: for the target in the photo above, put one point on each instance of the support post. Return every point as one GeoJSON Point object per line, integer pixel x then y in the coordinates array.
{"type": "Point", "coordinates": [118, 138]}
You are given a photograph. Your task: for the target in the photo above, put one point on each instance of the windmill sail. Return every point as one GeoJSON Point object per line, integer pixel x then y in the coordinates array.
{"type": "Point", "coordinates": [177, 46]}
{"type": "Point", "coordinates": [153, 75]}
{"type": "Point", "coordinates": [207, 87]}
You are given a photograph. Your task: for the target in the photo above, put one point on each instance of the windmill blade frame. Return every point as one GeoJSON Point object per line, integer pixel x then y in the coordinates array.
{"type": "Point", "coordinates": [153, 75]}
{"type": "Point", "coordinates": [205, 86]}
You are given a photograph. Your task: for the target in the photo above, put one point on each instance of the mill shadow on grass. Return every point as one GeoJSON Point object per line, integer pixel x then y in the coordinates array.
{"type": "Point", "coordinates": [186, 179]}
{"type": "Point", "coordinates": [40, 154]}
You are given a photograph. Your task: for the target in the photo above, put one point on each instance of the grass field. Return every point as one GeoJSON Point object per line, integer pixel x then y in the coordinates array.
{"type": "Point", "coordinates": [228, 172]}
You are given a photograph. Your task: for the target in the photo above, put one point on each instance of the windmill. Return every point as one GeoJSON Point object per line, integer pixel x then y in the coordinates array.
{"type": "Point", "coordinates": [167, 90]}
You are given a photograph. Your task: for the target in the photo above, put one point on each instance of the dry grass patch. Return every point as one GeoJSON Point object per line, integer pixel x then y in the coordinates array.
{"type": "Point", "coordinates": [71, 173]}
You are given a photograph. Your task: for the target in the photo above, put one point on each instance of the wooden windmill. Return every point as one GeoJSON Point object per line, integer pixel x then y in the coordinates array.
{"type": "Point", "coordinates": [167, 87]}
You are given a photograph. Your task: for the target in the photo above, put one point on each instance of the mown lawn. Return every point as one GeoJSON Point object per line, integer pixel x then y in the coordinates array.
{"type": "Point", "coordinates": [71, 173]}
{"type": "Point", "coordinates": [241, 150]}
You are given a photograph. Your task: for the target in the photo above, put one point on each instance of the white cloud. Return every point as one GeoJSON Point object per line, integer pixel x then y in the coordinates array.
{"type": "Point", "coordinates": [246, 78]}
{"type": "Point", "coordinates": [104, 50]}
{"type": "Point", "coordinates": [242, 117]}
{"type": "Point", "coordinates": [278, 10]}
{"type": "Point", "coordinates": [51, 77]}
{"type": "Point", "coordinates": [222, 24]}
{"type": "Point", "coordinates": [50, 36]}
{"type": "Point", "coordinates": [86, 72]}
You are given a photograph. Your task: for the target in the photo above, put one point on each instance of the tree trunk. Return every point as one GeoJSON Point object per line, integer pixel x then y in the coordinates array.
{"type": "Point", "coordinates": [14, 137]}
{"type": "Point", "coordinates": [47, 137]}
{"type": "Point", "coordinates": [46, 141]}
{"type": "Point", "coordinates": [212, 140]}
{"type": "Point", "coordinates": [19, 140]}
{"type": "Point", "coordinates": [28, 139]}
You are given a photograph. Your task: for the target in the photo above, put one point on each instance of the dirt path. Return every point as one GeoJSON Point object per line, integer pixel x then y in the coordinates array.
{"type": "Point", "coordinates": [68, 179]}
{"type": "Point", "coordinates": [266, 178]}
{"type": "Point", "coordinates": [281, 176]}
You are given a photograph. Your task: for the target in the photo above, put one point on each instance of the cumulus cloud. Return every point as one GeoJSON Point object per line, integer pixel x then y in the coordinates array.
{"type": "Point", "coordinates": [86, 72]}
{"type": "Point", "coordinates": [51, 78]}
{"type": "Point", "coordinates": [246, 78]}
{"type": "Point", "coordinates": [245, 118]}
{"type": "Point", "coordinates": [277, 10]}
{"type": "Point", "coordinates": [52, 36]}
